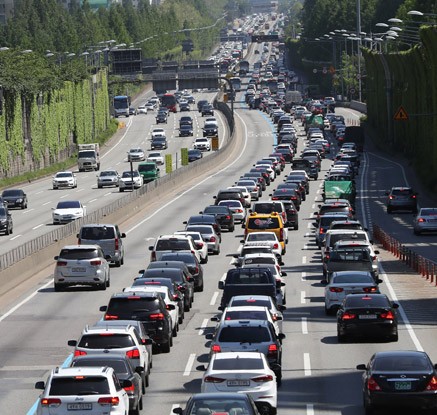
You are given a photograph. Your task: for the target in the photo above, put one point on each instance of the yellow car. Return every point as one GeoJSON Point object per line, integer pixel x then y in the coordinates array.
{"type": "Point", "coordinates": [263, 222]}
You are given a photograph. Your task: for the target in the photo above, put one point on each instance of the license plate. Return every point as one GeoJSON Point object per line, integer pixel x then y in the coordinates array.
{"type": "Point", "coordinates": [79, 406]}
{"type": "Point", "coordinates": [367, 316]}
{"type": "Point", "coordinates": [78, 269]}
{"type": "Point", "coordinates": [238, 382]}
{"type": "Point", "coordinates": [402, 386]}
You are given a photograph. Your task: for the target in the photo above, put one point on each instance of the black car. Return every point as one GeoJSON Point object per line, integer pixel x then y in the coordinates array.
{"type": "Point", "coordinates": [399, 379]}
{"type": "Point", "coordinates": [292, 220]}
{"type": "Point", "coordinates": [14, 198]}
{"type": "Point", "coordinates": [161, 117]}
{"type": "Point", "coordinates": [369, 315]}
{"type": "Point", "coordinates": [184, 106]}
{"type": "Point", "coordinates": [401, 198]}
{"type": "Point", "coordinates": [210, 130]}
{"type": "Point", "coordinates": [194, 154]}
{"type": "Point", "coordinates": [201, 103]}
{"type": "Point", "coordinates": [207, 109]}
{"type": "Point", "coordinates": [124, 370]}
{"type": "Point", "coordinates": [185, 130]}
{"type": "Point", "coordinates": [182, 277]}
{"type": "Point", "coordinates": [287, 195]}
{"type": "Point", "coordinates": [159, 143]}
{"type": "Point", "coordinates": [189, 260]}
{"type": "Point", "coordinates": [205, 219]}
{"type": "Point", "coordinates": [185, 120]}
{"type": "Point", "coordinates": [6, 224]}
{"type": "Point", "coordinates": [150, 309]}
{"type": "Point", "coordinates": [223, 214]}
{"type": "Point", "coordinates": [174, 288]}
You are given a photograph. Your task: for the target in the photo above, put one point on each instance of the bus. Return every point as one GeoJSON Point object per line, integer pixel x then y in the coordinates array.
{"type": "Point", "coordinates": [169, 101]}
{"type": "Point", "coordinates": [121, 105]}
{"type": "Point", "coordinates": [236, 83]}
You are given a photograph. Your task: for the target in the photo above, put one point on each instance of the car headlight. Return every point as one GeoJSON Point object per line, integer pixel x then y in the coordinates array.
{"type": "Point", "coordinates": [19, 200]}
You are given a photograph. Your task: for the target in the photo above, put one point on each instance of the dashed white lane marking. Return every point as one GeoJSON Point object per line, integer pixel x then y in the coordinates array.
{"type": "Point", "coordinates": [47, 203]}
{"type": "Point", "coordinates": [108, 194]}
{"type": "Point", "coordinates": [304, 325]}
{"type": "Point", "coordinates": [309, 225]}
{"type": "Point", "coordinates": [203, 326]}
{"type": "Point", "coordinates": [302, 297]}
{"type": "Point", "coordinates": [15, 237]}
{"type": "Point", "coordinates": [62, 197]}
{"type": "Point", "coordinates": [307, 364]}
{"type": "Point", "coordinates": [27, 211]}
{"type": "Point", "coordinates": [189, 365]}
{"type": "Point", "coordinates": [310, 409]}
{"type": "Point", "coordinates": [304, 260]}
{"type": "Point", "coordinates": [214, 298]}
{"type": "Point", "coordinates": [92, 200]}
{"type": "Point", "coordinates": [80, 190]}
{"type": "Point", "coordinates": [304, 276]}
{"type": "Point", "coordinates": [38, 226]}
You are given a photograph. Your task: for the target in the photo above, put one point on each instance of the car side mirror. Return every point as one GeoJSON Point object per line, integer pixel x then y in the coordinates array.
{"type": "Point", "coordinates": [283, 274]}
{"type": "Point", "coordinates": [215, 318]}
{"type": "Point", "coordinates": [221, 285]}
{"type": "Point", "coordinates": [170, 307]}
{"type": "Point", "coordinates": [72, 343]}
{"type": "Point", "coordinates": [184, 222]}
{"type": "Point", "coordinates": [139, 369]}
{"type": "Point", "coordinates": [395, 305]}
{"type": "Point", "coordinates": [40, 385]}
{"type": "Point", "coordinates": [123, 235]}
{"type": "Point", "coordinates": [103, 308]}
{"type": "Point", "coordinates": [178, 411]}
{"type": "Point", "coordinates": [377, 252]}
{"type": "Point", "coordinates": [361, 367]}
{"type": "Point", "coordinates": [201, 368]}
{"type": "Point", "coordinates": [150, 248]}
{"type": "Point", "coordinates": [281, 336]}
{"type": "Point", "coordinates": [379, 281]}
{"type": "Point", "coordinates": [209, 336]}
{"type": "Point", "coordinates": [56, 257]}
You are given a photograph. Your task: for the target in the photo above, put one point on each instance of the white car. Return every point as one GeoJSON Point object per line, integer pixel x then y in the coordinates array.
{"type": "Point", "coordinates": [211, 120]}
{"type": "Point", "coordinates": [264, 238]}
{"type": "Point", "coordinates": [199, 243]}
{"type": "Point", "coordinates": [165, 294]}
{"type": "Point", "coordinates": [202, 144]}
{"type": "Point", "coordinates": [245, 372]}
{"type": "Point", "coordinates": [64, 392]}
{"type": "Point", "coordinates": [142, 109]}
{"type": "Point", "coordinates": [150, 106]}
{"type": "Point", "coordinates": [129, 180]}
{"type": "Point", "coordinates": [67, 211]}
{"type": "Point", "coordinates": [136, 154]}
{"type": "Point", "coordinates": [64, 179]}
{"type": "Point", "coordinates": [246, 194]}
{"type": "Point", "coordinates": [158, 132]}
{"type": "Point", "coordinates": [108, 178]}
{"type": "Point", "coordinates": [157, 157]}
{"type": "Point", "coordinates": [238, 210]}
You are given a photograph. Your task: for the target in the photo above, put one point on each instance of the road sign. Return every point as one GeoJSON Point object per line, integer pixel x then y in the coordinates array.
{"type": "Point", "coordinates": [401, 114]}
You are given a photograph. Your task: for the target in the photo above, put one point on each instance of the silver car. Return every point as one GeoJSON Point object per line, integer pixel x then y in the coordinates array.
{"type": "Point", "coordinates": [209, 235]}
{"type": "Point", "coordinates": [108, 178]}
{"type": "Point", "coordinates": [81, 265]}
{"type": "Point", "coordinates": [425, 221]}
{"type": "Point", "coordinates": [136, 154]}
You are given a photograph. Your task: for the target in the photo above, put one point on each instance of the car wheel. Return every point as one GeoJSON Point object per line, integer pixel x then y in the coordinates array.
{"type": "Point", "coordinates": [341, 337]}
{"type": "Point", "coordinates": [174, 332]}
{"type": "Point", "coordinates": [394, 337]}
{"type": "Point", "coordinates": [205, 260]}
{"type": "Point", "coordinates": [108, 282]}
{"type": "Point", "coordinates": [140, 403]}
{"type": "Point", "coordinates": [135, 411]}
{"type": "Point", "coordinates": [416, 232]}
{"type": "Point", "coordinates": [389, 210]}
{"type": "Point", "coordinates": [201, 287]}
{"type": "Point", "coordinates": [102, 286]}
{"type": "Point", "coordinates": [118, 263]}
{"type": "Point", "coordinates": [165, 348]}
{"type": "Point", "coordinates": [187, 306]}
{"type": "Point", "coordinates": [122, 260]}
{"type": "Point", "coordinates": [232, 229]}
{"type": "Point", "coordinates": [7, 231]}
{"type": "Point", "coordinates": [99, 186]}
{"type": "Point", "coordinates": [368, 408]}
{"type": "Point", "coordinates": [144, 381]}
{"type": "Point", "coordinates": [121, 190]}
{"type": "Point", "coordinates": [217, 252]}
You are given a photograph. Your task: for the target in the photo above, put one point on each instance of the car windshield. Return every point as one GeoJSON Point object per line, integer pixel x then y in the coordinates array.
{"type": "Point", "coordinates": [187, 258]}
{"type": "Point", "coordinates": [79, 385]}
{"type": "Point", "coordinates": [242, 334]}
{"type": "Point", "coordinates": [108, 173]}
{"type": "Point", "coordinates": [66, 174]}
{"type": "Point", "coordinates": [222, 406]}
{"type": "Point", "coordinates": [128, 174]}
{"type": "Point", "coordinates": [79, 253]}
{"type": "Point", "coordinates": [12, 192]}
{"type": "Point", "coordinates": [237, 364]}
{"type": "Point", "coordinates": [97, 232]}
{"type": "Point", "coordinates": [398, 363]}
{"type": "Point", "coordinates": [68, 204]}
{"type": "Point", "coordinates": [106, 340]}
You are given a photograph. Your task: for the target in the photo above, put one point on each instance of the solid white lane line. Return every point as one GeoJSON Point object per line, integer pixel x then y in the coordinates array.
{"type": "Point", "coordinates": [307, 364]}
{"type": "Point", "coordinates": [27, 211]}
{"type": "Point", "coordinates": [15, 237]}
{"type": "Point", "coordinates": [63, 197]}
{"type": "Point", "coordinates": [310, 409]}
{"type": "Point", "coordinates": [189, 364]}
{"type": "Point", "coordinates": [304, 260]}
{"type": "Point", "coordinates": [92, 200]}
{"type": "Point", "coordinates": [47, 203]}
{"type": "Point", "coordinates": [304, 276]}
{"type": "Point", "coordinates": [304, 325]}
{"type": "Point", "coordinates": [214, 298]}
{"type": "Point", "coordinates": [38, 226]}
{"type": "Point", "coordinates": [80, 190]}
{"type": "Point", "coordinates": [108, 194]}
{"type": "Point", "coordinates": [302, 297]}
{"type": "Point", "coordinates": [203, 326]}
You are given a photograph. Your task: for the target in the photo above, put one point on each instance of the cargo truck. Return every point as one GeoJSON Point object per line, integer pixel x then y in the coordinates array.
{"type": "Point", "coordinates": [88, 157]}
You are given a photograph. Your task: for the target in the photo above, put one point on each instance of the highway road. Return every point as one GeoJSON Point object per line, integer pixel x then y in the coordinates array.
{"type": "Point", "coordinates": [37, 219]}
{"type": "Point", "coordinates": [319, 375]}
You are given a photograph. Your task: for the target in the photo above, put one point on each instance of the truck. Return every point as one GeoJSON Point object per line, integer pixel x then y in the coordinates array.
{"type": "Point", "coordinates": [292, 98]}
{"type": "Point", "coordinates": [88, 157]}
{"type": "Point", "coordinates": [334, 189]}
{"type": "Point", "coordinates": [149, 170]}
{"type": "Point", "coordinates": [355, 134]}
{"type": "Point", "coordinates": [248, 281]}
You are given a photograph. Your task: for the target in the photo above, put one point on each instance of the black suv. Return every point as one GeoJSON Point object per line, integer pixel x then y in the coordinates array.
{"type": "Point", "coordinates": [402, 198]}
{"type": "Point", "coordinates": [201, 103]}
{"type": "Point", "coordinates": [14, 198]}
{"type": "Point", "coordinates": [207, 109]}
{"type": "Point", "coordinates": [6, 225]}
{"type": "Point", "coordinates": [186, 120]}
{"type": "Point", "coordinates": [161, 117]}
{"type": "Point", "coordinates": [223, 214]}
{"type": "Point", "coordinates": [150, 309]}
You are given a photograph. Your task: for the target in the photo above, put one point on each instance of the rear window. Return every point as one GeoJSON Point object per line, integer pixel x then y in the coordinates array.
{"type": "Point", "coordinates": [97, 233]}
{"type": "Point", "coordinates": [228, 195]}
{"type": "Point", "coordinates": [366, 301]}
{"type": "Point", "coordinates": [397, 363]}
{"type": "Point", "coordinates": [267, 207]}
{"type": "Point", "coordinates": [350, 255]}
{"type": "Point", "coordinates": [333, 208]}
{"type": "Point", "coordinates": [355, 226]}
{"type": "Point", "coordinates": [263, 223]}
{"type": "Point", "coordinates": [243, 334]}
{"type": "Point", "coordinates": [401, 192]}
{"type": "Point", "coordinates": [216, 209]}
{"type": "Point", "coordinates": [356, 237]}
{"type": "Point", "coordinates": [238, 364]}
{"type": "Point", "coordinates": [186, 258]}
{"type": "Point", "coordinates": [88, 385]}
{"type": "Point", "coordinates": [130, 307]}
{"type": "Point", "coordinates": [342, 279]}
{"type": "Point", "coordinates": [325, 221]}
{"type": "Point", "coordinates": [246, 315]}
{"type": "Point", "coordinates": [106, 341]}
{"type": "Point", "coordinates": [248, 277]}
{"type": "Point", "coordinates": [79, 253]}
{"type": "Point", "coordinates": [250, 301]}
{"type": "Point", "coordinates": [259, 260]}
{"type": "Point", "coordinates": [172, 245]}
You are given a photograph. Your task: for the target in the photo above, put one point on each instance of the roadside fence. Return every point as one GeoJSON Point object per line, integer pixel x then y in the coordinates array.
{"type": "Point", "coordinates": [423, 266]}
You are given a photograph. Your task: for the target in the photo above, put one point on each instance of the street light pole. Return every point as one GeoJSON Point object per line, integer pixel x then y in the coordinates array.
{"type": "Point", "coordinates": [359, 49]}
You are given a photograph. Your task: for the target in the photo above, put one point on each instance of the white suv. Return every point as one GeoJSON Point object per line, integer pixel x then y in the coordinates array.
{"type": "Point", "coordinates": [172, 243]}
{"type": "Point", "coordinates": [120, 340]}
{"type": "Point", "coordinates": [96, 390]}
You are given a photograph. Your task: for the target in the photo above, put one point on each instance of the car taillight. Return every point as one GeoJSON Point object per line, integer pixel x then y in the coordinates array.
{"type": "Point", "coordinates": [413, 196]}
{"type": "Point", "coordinates": [157, 316]}
{"type": "Point", "coordinates": [213, 379]}
{"type": "Point", "coordinates": [275, 246]}
{"type": "Point", "coordinates": [336, 289]}
{"type": "Point", "coordinates": [372, 385]}
{"type": "Point", "coordinates": [275, 198]}
{"type": "Point", "coordinates": [110, 400]}
{"type": "Point", "coordinates": [53, 402]}
{"type": "Point", "coordinates": [228, 217]}
{"type": "Point", "coordinates": [239, 210]}
{"type": "Point", "coordinates": [391, 197]}
{"type": "Point", "coordinates": [432, 385]}
{"type": "Point", "coordinates": [133, 354]}
{"type": "Point", "coordinates": [78, 241]}
{"type": "Point", "coordinates": [110, 317]}
{"type": "Point", "coordinates": [61, 263]}
{"type": "Point", "coordinates": [117, 244]}
{"type": "Point", "coordinates": [216, 348]}
{"type": "Point", "coordinates": [421, 220]}
{"type": "Point", "coordinates": [212, 239]}
{"type": "Point", "coordinates": [129, 388]}
{"type": "Point", "coordinates": [79, 353]}
{"type": "Point", "coordinates": [321, 231]}
{"type": "Point", "coordinates": [387, 316]}
{"type": "Point", "coordinates": [153, 256]}
{"type": "Point", "coordinates": [273, 349]}
{"type": "Point", "coordinates": [266, 378]}
{"type": "Point", "coordinates": [370, 289]}
{"type": "Point", "coordinates": [348, 316]}
{"type": "Point", "coordinates": [281, 234]}
{"type": "Point", "coordinates": [175, 297]}
{"type": "Point", "coordinates": [96, 262]}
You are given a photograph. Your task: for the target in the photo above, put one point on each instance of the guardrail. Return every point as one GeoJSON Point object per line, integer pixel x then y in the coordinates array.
{"type": "Point", "coordinates": [423, 266]}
